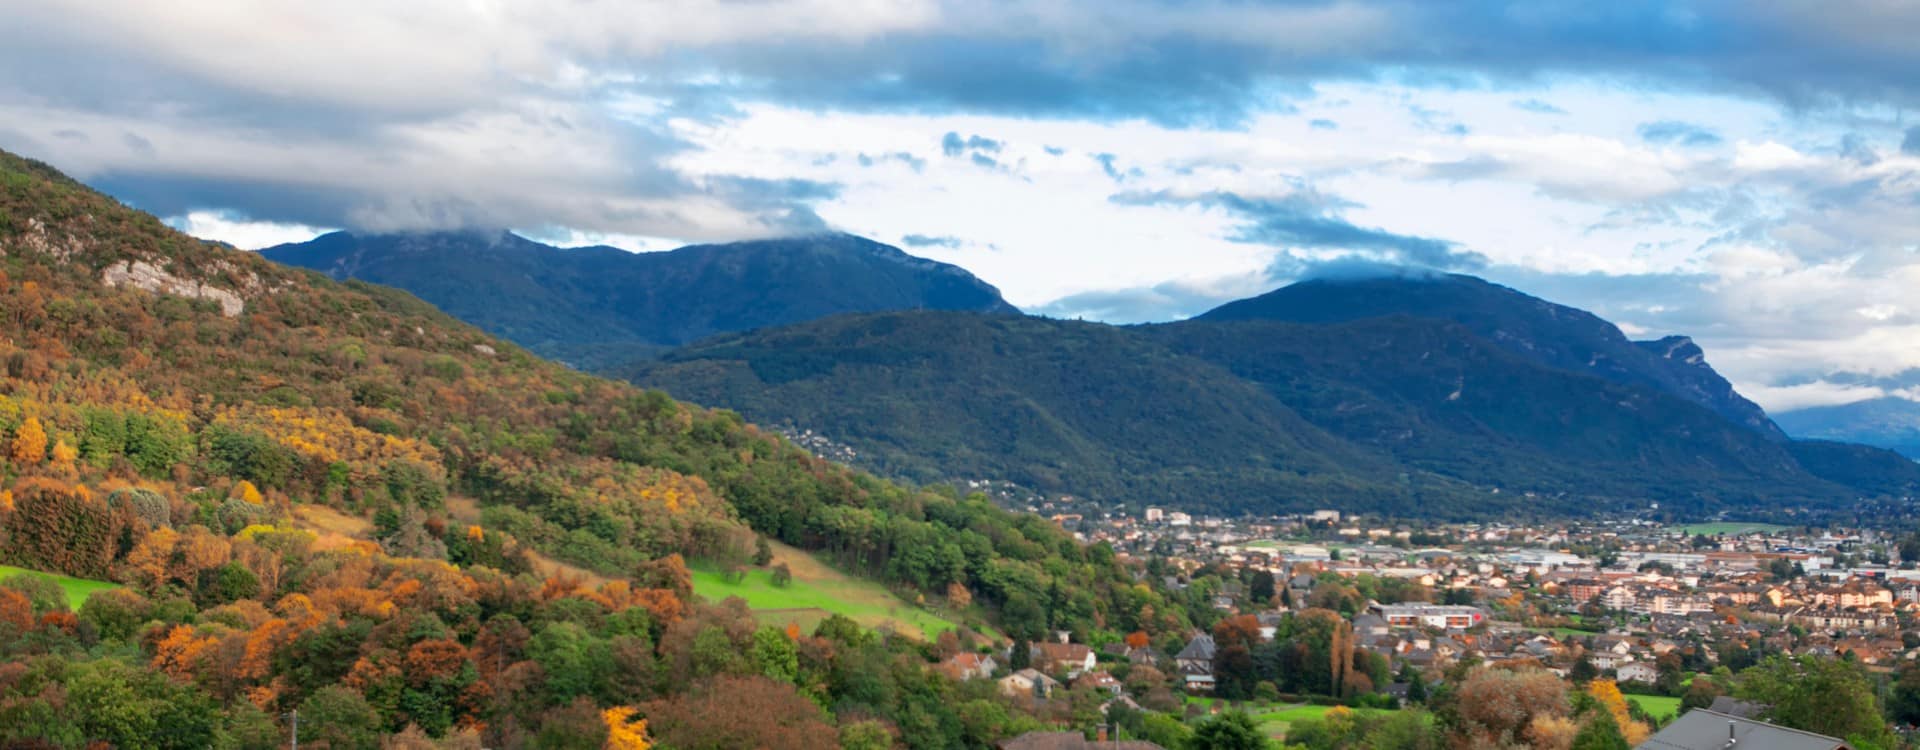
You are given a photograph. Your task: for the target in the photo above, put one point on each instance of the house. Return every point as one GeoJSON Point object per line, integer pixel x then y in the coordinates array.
{"type": "Point", "coordinates": [1705, 729]}
{"type": "Point", "coordinates": [1028, 682]}
{"type": "Point", "coordinates": [1070, 658]}
{"type": "Point", "coordinates": [969, 666]}
{"type": "Point", "coordinates": [1099, 681]}
{"type": "Point", "coordinates": [1437, 616]}
{"type": "Point", "coordinates": [1197, 657]}
{"type": "Point", "coordinates": [1637, 672]}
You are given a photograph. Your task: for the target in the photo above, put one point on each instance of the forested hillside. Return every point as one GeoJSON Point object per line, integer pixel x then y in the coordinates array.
{"type": "Point", "coordinates": [211, 430]}
{"type": "Point", "coordinates": [1403, 415]}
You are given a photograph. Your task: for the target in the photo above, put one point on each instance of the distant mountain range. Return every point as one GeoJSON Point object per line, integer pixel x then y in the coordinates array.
{"type": "Point", "coordinates": [596, 306]}
{"type": "Point", "coordinates": [1891, 422]}
{"type": "Point", "coordinates": [1444, 396]}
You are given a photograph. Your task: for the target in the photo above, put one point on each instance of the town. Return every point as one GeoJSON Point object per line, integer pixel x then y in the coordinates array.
{"type": "Point", "coordinates": [1645, 606]}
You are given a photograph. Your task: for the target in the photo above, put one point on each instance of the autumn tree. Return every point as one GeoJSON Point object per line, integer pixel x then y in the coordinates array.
{"type": "Point", "coordinates": [60, 527]}
{"type": "Point", "coordinates": [1607, 694]}
{"type": "Point", "coordinates": [29, 445]}
{"type": "Point", "coordinates": [624, 732]}
{"type": "Point", "coordinates": [735, 712]}
{"type": "Point", "coordinates": [1497, 707]}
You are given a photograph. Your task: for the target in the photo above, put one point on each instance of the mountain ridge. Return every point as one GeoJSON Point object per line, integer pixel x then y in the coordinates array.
{"type": "Point", "coordinates": [593, 306]}
{"type": "Point", "coordinates": [1555, 335]}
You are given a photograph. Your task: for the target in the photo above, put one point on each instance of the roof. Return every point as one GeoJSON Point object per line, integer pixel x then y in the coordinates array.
{"type": "Point", "coordinates": [1069, 741]}
{"type": "Point", "coordinates": [1703, 729]}
{"type": "Point", "coordinates": [1201, 647]}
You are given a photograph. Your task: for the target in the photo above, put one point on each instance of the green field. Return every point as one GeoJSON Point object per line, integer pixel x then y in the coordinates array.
{"type": "Point", "coordinates": [1730, 527]}
{"type": "Point", "coordinates": [1275, 723]}
{"type": "Point", "coordinates": [818, 591]}
{"type": "Point", "coordinates": [78, 589]}
{"type": "Point", "coordinates": [1659, 706]}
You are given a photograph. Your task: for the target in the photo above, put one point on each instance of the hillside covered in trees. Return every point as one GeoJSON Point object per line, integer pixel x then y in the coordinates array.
{"type": "Point", "coordinates": [1412, 416]}
{"type": "Point", "coordinates": [330, 498]}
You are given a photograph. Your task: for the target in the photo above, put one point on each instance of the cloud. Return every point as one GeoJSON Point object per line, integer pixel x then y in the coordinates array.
{"type": "Point", "coordinates": [922, 240]}
{"type": "Point", "coordinates": [1309, 219]}
{"type": "Point", "coordinates": [240, 232]}
{"type": "Point", "coordinates": [915, 163]}
{"type": "Point", "coordinates": [1786, 398]}
{"type": "Point", "coordinates": [1323, 124]}
{"type": "Point", "coordinates": [952, 144]}
{"type": "Point", "coordinates": [1157, 303]}
{"type": "Point", "coordinates": [1537, 106]}
{"type": "Point", "coordinates": [1675, 132]}
{"type": "Point", "coordinates": [1910, 145]}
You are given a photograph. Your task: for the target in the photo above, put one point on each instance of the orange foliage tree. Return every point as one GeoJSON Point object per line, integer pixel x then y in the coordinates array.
{"type": "Point", "coordinates": [29, 444]}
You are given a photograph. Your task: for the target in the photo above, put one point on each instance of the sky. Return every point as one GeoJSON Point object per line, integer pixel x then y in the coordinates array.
{"type": "Point", "coordinates": [1747, 173]}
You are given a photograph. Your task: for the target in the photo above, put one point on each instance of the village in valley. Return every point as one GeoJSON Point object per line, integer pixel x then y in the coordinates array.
{"type": "Point", "coordinates": [1667, 613]}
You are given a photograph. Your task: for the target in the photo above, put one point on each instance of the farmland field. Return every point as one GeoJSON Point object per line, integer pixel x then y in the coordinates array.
{"type": "Point", "coordinates": [818, 591]}
{"type": "Point", "coordinates": [78, 589]}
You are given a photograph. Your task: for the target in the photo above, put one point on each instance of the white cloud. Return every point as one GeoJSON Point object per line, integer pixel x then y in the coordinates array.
{"type": "Point", "coordinates": [1806, 395]}
{"type": "Point", "coordinates": [240, 232]}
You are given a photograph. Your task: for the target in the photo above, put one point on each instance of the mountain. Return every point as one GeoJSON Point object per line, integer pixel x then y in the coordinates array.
{"type": "Point", "coordinates": [1398, 414]}
{"type": "Point", "coordinates": [334, 499]}
{"type": "Point", "coordinates": [1891, 422]}
{"type": "Point", "coordinates": [594, 306]}
{"type": "Point", "coordinates": [1060, 406]}
{"type": "Point", "coordinates": [1553, 335]}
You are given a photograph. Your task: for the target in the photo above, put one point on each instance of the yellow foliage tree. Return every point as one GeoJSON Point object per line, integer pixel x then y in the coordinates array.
{"type": "Point", "coordinates": [1607, 693]}
{"type": "Point", "coordinates": [623, 731]}
{"type": "Point", "coordinates": [63, 457]}
{"type": "Point", "coordinates": [29, 442]}
{"type": "Point", "coordinates": [246, 491]}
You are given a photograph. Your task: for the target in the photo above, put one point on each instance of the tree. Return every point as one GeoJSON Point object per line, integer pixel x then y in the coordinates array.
{"type": "Point", "coordinates": [29, 446]}
{"type": "Point", "coordinates": [865, 735]}
{"type": "Point", "coordinates": [762, 552]}
{"type": "Point", "coordinates": [623, 731]}
{"type": "Point", "coordinates": [1494, 707]}
{"type": "Point", "coordinates": [1233, 730]}
{"type": "Point", "coordinates": [782, 576]}
{"type": "Point", "coordinates": [1601, 732]}
{"type": "Point", "coordinates": [1824, 696]}
{"type": "Point", "coordinates": [958, 596]}
{"type": "Point", "coordinates": [1261, 589]}
{"type": "Point", "coordinates": [1606, 693]}
{"type": "Point", "coordinates": [341, 718]}
{"type": "Point", "coordinates": [735, 712]}
{"type": "Point", "coordinates": [773, 655]}
{"type": "Point", "coordinates": [1701, 693]}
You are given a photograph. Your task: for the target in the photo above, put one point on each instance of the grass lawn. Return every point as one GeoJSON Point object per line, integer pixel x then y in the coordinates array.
{"type": "Point", "coordinates": [1275, 723]}
{"type": "Point", "coordinates": [78, 589]}
{"type": "Point", "coordinates": [1730, 527]}
{"type": "Point", "coordinates": [817, 592]}
{"type": "Point", "coordinates": [1659, 706]}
